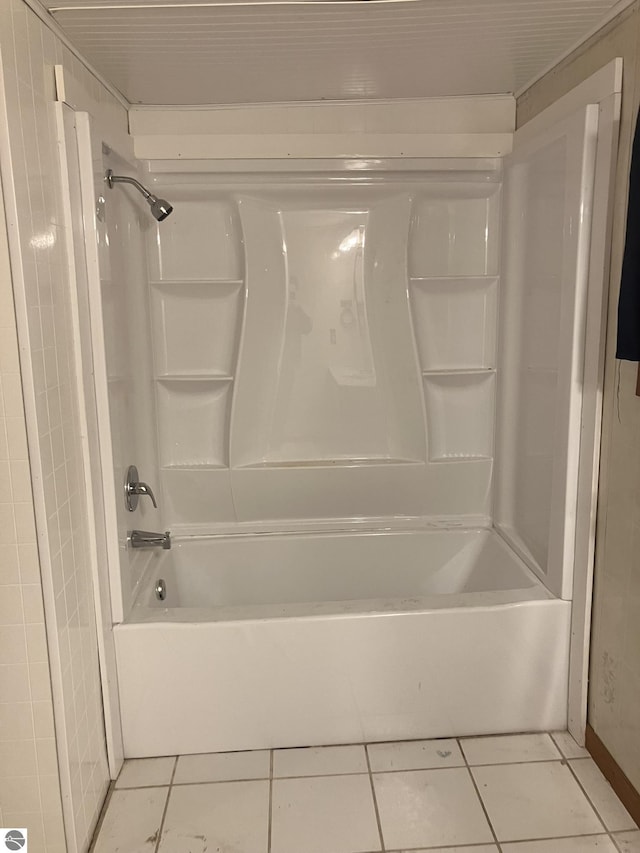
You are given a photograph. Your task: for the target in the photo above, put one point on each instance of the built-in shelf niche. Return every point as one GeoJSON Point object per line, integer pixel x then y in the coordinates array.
{"type": "Point", "coordinates": [193, 416]}
{"type": "Point", "coordinates": [196, 266]}
{"type": "Point", "coordinates": [454, 228]}
{"type": "Point", "coordinates": [200, 241]}
{"type": "Point", "coordinates": [455, 322]}
{"type": "Point", "coordinates": [196, 327]}
{"type": "Point", "coordinates": [460, 414]}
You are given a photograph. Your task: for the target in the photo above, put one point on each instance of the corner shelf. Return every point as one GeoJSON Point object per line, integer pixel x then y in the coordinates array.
{"type": "Point", "coordinates": [452, 279]}
{"type": "Point", "coordinates": [182, 282]}
{"type": "Point", "coordinates": [461, 371]}
{"type": "Point", "coordinates": [460, 414]}
{"type": "Point", "coordinates": [454, 321]}
{"type": "Point", "coordinates": [331, 463]}
{"type": "Point", "coordinates": [468, 212]}
{"type": "Point", "coordinates": [193, 416]}
{"type": "Point", "coordinates": [196, 326]}
{"type": "Point", "coordinates": [459, 458]}
{"type": "Point", "coordinates": [193, 377]}
{"type": "Point", "coordinates": [194, 467]}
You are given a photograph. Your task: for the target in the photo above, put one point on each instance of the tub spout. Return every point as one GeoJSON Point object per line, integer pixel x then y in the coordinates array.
{"type": "Point", "coordinates": [146, 539]}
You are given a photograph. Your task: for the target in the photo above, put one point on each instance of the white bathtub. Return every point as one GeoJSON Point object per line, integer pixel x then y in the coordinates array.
{"type": "Point", "coordinates": [287, 640]}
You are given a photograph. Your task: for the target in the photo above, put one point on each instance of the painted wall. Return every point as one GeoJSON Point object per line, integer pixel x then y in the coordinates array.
{"type": "Point", "coordinates": [614, 696]}
{"type": "Point", "coordinates": [29, 158]}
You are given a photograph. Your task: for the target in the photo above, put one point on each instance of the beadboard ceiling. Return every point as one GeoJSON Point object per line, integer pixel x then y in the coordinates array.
{"type": "Point", "coordinates": [165, 52]}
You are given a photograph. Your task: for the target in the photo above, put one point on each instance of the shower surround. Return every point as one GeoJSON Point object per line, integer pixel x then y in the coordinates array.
{"type": "Point", "coordinates": [320, 341]}
{"type": "Point", "coordinates": [349, 400]}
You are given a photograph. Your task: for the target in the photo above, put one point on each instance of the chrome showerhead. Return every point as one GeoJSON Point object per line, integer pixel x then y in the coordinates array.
{"type": "Point", "coordinates": [160, 207]}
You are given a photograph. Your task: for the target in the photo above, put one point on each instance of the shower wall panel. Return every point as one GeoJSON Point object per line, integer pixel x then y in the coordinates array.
{"type": "Point", "coordinates": [327, 370]}
{"type": "Point", "coordinates": [122, 224]}
{"type": "Point", "coordinates": [324, 344]}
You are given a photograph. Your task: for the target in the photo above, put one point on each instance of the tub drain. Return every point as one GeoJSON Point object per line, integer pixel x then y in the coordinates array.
{"type": "Point", "coordinates": [161, 590]}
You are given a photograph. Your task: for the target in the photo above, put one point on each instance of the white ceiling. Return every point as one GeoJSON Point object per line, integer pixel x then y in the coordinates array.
{"type": "Point", "coordinates": [164, 52]}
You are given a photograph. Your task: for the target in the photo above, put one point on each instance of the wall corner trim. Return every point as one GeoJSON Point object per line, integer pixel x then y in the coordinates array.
{"type": "Point", "coordinates": [611, 770]}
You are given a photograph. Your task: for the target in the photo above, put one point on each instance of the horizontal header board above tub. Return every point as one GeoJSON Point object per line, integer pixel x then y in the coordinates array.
{"type": "Point", "coordinates": [434, 127]}
{"type": "Point", "coordinates": [261, 168]}
{"type": "Point", "coordinates": [477, 114]}
{"type": "Point", "coordinates": [300, 145]}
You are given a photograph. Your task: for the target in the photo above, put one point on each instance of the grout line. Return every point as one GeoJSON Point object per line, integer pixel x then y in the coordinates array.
{"type": "Point", "coordinates": [452, 847]}
{"type": "Point", "coordinates": [166, 805]}
{"type": "Point", "coordinates": [475, 844]}
{"type": "Point", "coordinates": [584, 791]}
{"type": "Point", "coordinates": [197, 782]}
{"type": "Point", "coordinates": [554, 838]}
{"type": "Point", "coordinates": [477, 790]}
{"type": "Point", "coordinates": [103, 814]}
{"type": "Point", "coordinates": [375, 799]}
{"type": "Point", "coordinates": [270, 823]}
{"type": "Point", "coordinates": [559, 760]}
{"type": "Point", "coordinates": [612, 836]}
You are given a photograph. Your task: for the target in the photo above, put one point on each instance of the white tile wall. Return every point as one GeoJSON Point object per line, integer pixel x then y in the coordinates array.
{"type": "Point", "coordinates": [29, 51]}
{"type": "Point", "coordinates": [29, 783]}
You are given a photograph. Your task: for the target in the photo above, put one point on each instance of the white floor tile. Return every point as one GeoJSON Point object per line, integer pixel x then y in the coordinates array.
{"type": "Point", "coordinates": [425, 808]}
{"type": "Point", "coordinates": [231, 816]}
{"type": "Point", "coordinates": [223, 767]}
{"type": "Point", "coordinates": [146, 772]}
{"type": "Point", "coordinates": [539, 800]}
{"type": "Point", "coordinates": [582, 844]}
{"type": "Point", "coordinates": [323, 814]}
{"type": "Point", "coordinates": [509, 749]}
{"type": "Point", "coordinates": [605, 801]}
{"type": "Point", "coordinates": [319, 761]}
{"type": "Point", "coordinates": [628, 842]}
{"type": "Point", "coordinates": [132, 821]}
{"type": "Point", "coordinates": [414, 755]}
{"type": "Point", "coordinates": [567, 745]}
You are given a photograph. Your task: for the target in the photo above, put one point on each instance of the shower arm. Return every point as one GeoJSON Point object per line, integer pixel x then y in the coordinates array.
{"type": "Point", "coordinates": [123, 179]}
{"type": "Point", "coordinates": [160, 207]}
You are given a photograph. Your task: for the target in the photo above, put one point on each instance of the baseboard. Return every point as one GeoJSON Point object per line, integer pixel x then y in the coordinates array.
{"type": "Point", "coordinates": [610, 768]}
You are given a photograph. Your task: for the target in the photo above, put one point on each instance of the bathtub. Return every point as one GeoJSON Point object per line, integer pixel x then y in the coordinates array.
{"type": "Point", "coordinates": [324, 638]}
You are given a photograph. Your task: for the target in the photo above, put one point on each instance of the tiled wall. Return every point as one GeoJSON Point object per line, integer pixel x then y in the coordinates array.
{"type": "Point", "coordinates": [29, 51]}
{"type": "Point", "coordinates": [29, 784]}
{"type": "Point", "coordinates": [614, 691]}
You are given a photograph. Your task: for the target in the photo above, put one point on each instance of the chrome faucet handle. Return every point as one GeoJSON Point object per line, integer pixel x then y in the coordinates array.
{"type": "Point", "coordinates": [143, 489]}
{"type": "Point", "coordinates": [133, 488]}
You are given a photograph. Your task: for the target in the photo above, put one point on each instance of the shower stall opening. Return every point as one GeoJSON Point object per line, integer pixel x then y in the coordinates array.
{"type": "Point", "coordinates": [361, 390]}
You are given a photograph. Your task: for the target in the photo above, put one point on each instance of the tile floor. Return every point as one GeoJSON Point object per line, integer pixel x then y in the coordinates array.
{"type": "Point", "coordinates": [534, 793]}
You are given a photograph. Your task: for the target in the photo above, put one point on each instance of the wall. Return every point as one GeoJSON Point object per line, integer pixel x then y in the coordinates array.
{"type": "Point", "coordinates": [29, 783]}
{"type": "Point", "coordinates": [614, 695]}
{"type": "Point", "coordinates": [128, 360]}
{"type": "Point", "coordinates": [33, 198]}
{"type": "Point", "coordinates": [291, 385]}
